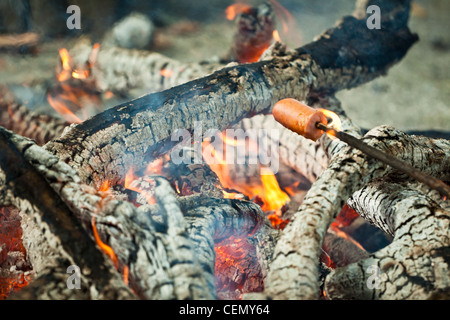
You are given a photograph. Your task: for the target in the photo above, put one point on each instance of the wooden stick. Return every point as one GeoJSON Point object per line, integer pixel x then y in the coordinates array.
{"type": "Point", "coordinates": [402, 166]}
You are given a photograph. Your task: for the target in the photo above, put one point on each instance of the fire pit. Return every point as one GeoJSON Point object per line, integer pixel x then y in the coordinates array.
{"type": "Point", "coordinates": [143, 176]}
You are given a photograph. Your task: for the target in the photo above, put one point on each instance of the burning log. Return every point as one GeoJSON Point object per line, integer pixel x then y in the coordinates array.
{"type": "Point", "coordinates": [121, 70]}
{"type": "Point", "coordinates": [131, 234]}
{"type": "Point", "coordinates": [254, 34]}
{"type": "Point", "coordinates": [135, 241]}
{"type": "Point", "coordinates": [118, 69]}
{"type": "Point", "coordinates": [415, 265]}
{"type": "Point", "coordinates": [214, 220]}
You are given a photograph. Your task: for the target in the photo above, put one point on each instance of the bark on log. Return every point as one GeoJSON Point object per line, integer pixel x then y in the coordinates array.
{"type": "Point", "coordinates": [157, 249]}
{"type": "Point", "coordinates": [121, 70]}
{"type": "Point", "coordinates": [160, 258]}
{"type": "Point", "coordinates": [19, 41]}
{"type": "Point", "coordinates": [415, 265]}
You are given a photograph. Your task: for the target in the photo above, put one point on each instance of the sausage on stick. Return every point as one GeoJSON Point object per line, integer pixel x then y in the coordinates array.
{"type": "Point", "coordinates": [298, 117]}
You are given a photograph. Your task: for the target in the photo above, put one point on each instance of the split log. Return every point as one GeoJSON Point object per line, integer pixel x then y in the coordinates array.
{"type": "Point", "coordinates": [415, 265]}
{"type": "Point", "coordinates": [131, 134]}
{"type": "Point", "coordinates": [294, 269]}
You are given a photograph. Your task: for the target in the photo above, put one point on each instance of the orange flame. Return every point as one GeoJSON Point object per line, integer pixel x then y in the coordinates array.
{"type": "Point", "coordinates": [68, 96]}
{"type": "Point", "coordinates": [288, 24]}
{"type": "Point", "coordinates": [66, 65]}
{"type": "Point", "coordinates": [335, 123]}
{"type": "Point", "coordinates": [105, 186]}
{"type": "Point", "coordinates": [129, 178]}
{"type": "Point", "coordinates": [266, 188]}
{"type": "Point", "coordinates": [154, 167]}
{"type": "Point", "coordinates": [166, 73]}
{"type": "Point", "coordinates": [346, 217]}
{"type": "Point", "coordinates": [103, 246]}
{"type": "Point", "coordinates": [63, 110]}
{"type": "Point", "coordinates": [233, 10]}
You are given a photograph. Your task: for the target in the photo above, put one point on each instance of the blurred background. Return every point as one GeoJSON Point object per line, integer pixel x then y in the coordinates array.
{"type": "Point", "coordinates": [415, 94]}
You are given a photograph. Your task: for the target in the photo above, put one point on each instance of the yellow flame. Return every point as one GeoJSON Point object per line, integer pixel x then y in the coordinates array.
{"type": "Point", "coordinates": [103, 246]}
{"type": "Point", "coordinates": [335, 123]}
{"type": "Point", "coordinates": [276, 35]}
{"type": "Point", "coordinates": [233, 10]}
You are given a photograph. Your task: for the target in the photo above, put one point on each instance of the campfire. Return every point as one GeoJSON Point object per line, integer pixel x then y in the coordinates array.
{"type": "Point", "coordinates": [240, 177]}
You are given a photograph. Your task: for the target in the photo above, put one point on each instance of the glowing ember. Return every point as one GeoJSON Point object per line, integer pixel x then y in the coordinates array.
{"type": "Point", "coordinates": [9, 285]}
{"type": "Point", "coordinates": [167, 73]}
{"type": "Point", "coordinates": [237, 269]}
{"type": "Point", "coordinates": [11, 243]}
{"type": "Point", "coordinates": [345, 218]}
{"type": "Point", "coordinates": [233, 10]}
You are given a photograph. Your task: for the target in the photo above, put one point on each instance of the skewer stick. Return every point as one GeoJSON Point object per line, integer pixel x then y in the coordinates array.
{"type": "Point", "coordinates": [402, 166]}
